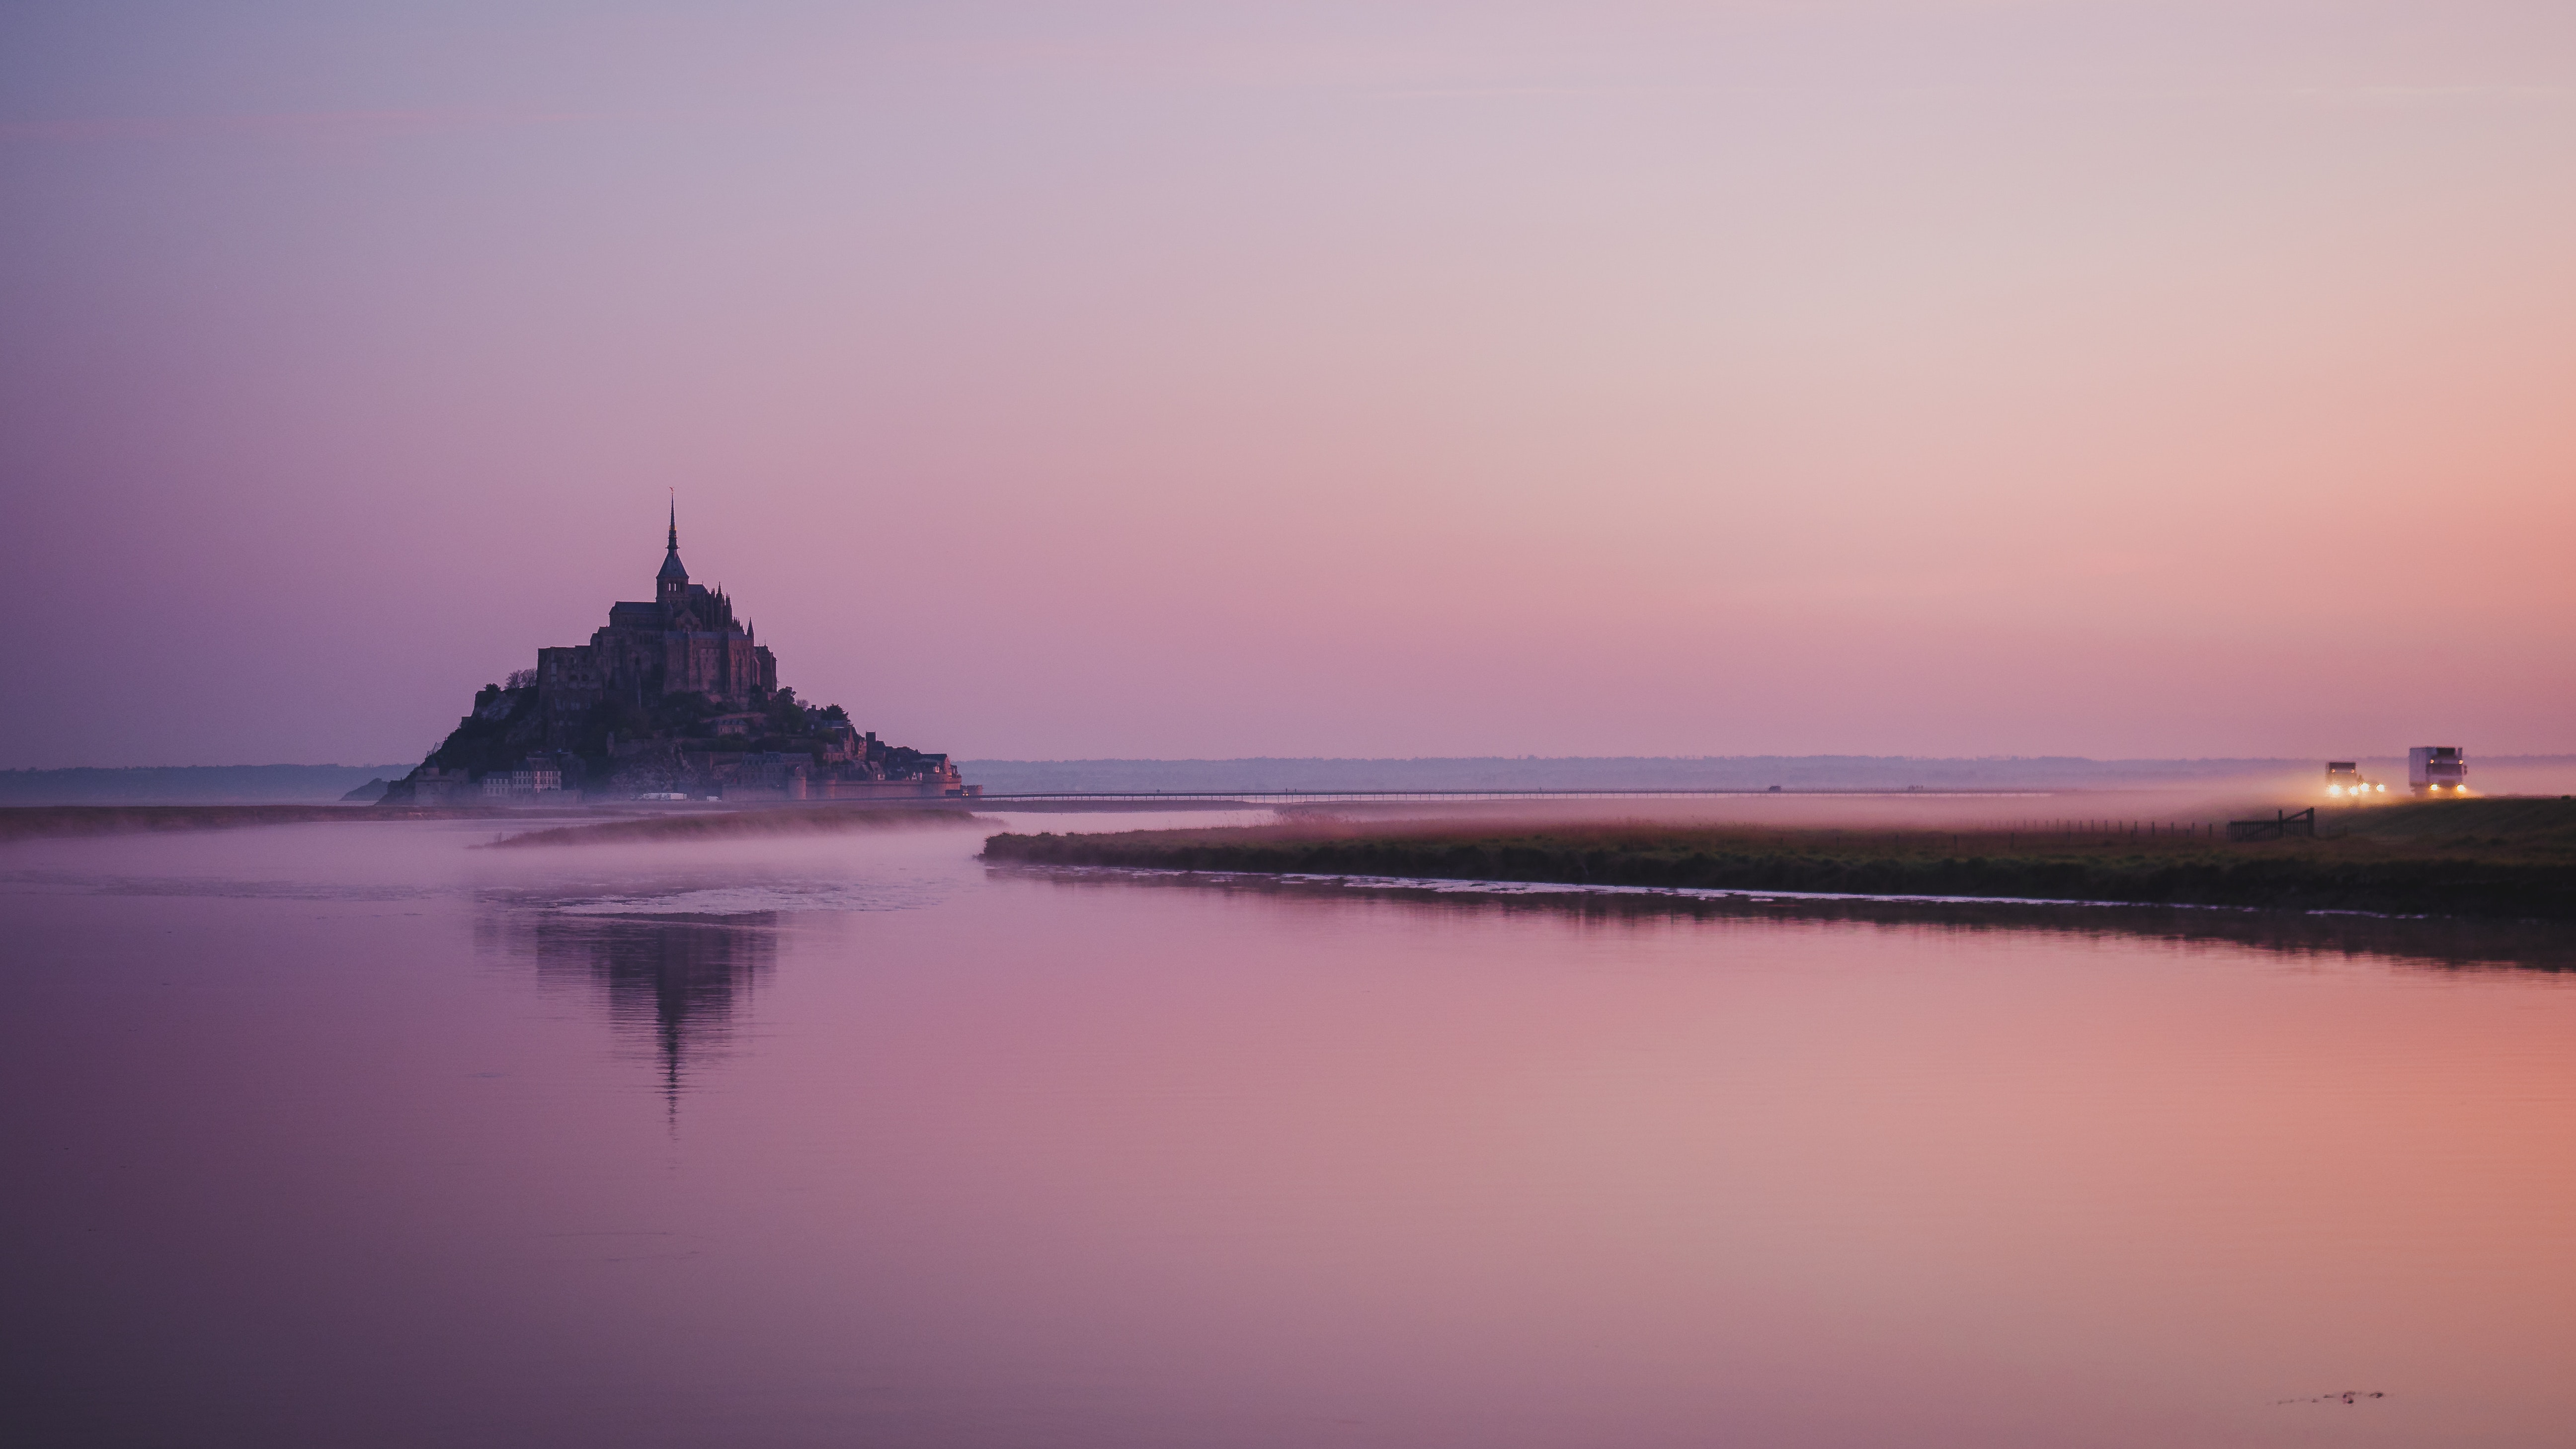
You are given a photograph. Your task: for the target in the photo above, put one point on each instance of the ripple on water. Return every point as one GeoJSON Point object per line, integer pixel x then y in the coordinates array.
{"type": "Point", "coordinates": [762, 898]}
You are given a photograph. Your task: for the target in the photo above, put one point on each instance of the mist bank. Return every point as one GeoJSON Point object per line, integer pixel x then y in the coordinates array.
{"type": "Point", "coordinates": [190, 784]}
{"type": "Point", "coordinates": [33, 822]}
{"type": "Point", "coordinates": [743, 825]}
{"type": "Point", "coordinates": [2512, 859]}
{"type": "Point", "coordinates": [1710, 772]}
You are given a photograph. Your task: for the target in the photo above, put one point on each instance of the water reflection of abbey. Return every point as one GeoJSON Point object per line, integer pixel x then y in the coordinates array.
{"type": "Point", "coordinates": [670, 987]}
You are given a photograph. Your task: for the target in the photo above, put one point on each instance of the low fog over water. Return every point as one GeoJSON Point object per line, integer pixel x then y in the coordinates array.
{"type": "Point", "coordinates": [357, 1133]}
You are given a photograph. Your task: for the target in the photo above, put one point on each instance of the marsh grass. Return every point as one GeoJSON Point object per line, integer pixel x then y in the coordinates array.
{"type": "Point", "coordinates": [2503, 858]}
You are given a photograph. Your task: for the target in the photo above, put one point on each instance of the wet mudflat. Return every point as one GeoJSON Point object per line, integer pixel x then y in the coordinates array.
{"type": "Point", "coordinates": [355, 1134]}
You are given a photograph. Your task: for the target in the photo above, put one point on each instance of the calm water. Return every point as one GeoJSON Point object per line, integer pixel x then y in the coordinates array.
{"type": "Point", "coordinates": [353, 1135]}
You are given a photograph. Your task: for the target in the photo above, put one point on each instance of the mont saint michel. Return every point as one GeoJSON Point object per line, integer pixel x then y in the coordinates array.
{"type": "Point", "coordinates": [674, 697]}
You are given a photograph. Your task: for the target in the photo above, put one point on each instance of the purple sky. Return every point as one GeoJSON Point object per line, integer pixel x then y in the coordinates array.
{"type": "Point", "coordinates": [1064, 380]}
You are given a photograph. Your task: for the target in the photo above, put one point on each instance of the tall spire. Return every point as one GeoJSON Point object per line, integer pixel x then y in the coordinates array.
{"type": "Point", "coordinates": [673, 581]}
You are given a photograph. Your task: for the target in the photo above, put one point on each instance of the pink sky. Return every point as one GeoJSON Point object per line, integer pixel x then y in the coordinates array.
{"type": "Point", "coordinates": [1929, 378]}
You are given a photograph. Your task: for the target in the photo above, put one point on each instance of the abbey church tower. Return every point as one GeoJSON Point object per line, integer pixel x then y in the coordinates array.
{"type": "Point", "coordinates": [672, 584]}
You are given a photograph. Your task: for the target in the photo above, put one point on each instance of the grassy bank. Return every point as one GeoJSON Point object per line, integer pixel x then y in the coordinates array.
{"type": "Point", "coordinates": [2500, 858]}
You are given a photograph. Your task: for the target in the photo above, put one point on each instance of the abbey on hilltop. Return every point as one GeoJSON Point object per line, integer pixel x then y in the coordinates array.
{"type": "Point", "coordinates": [685, 641]}
{"type": "Point", "coordinates": [672, 698]}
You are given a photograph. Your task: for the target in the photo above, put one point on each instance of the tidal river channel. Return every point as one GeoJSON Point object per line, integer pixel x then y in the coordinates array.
{"type": "Point", "coordinates": [353, 1134]}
